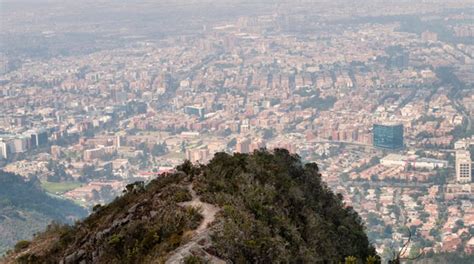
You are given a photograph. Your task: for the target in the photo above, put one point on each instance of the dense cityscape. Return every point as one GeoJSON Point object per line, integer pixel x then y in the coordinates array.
{"type": "Point", "coordinates": [380, 96]}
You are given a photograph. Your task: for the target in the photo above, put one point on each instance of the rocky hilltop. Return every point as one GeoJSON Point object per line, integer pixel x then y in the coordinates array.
{"type": "Point", "coordinates": [265, 207]}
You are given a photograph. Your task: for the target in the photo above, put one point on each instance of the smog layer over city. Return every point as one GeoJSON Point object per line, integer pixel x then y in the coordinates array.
{"type": "Point", "coordinates": [236, 131]}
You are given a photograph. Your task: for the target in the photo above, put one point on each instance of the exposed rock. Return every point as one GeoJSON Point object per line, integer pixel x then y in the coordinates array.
{"type": "Point", "coordinates": [153, 213]}
{"type": "Point", "coordinates": [133, 209]}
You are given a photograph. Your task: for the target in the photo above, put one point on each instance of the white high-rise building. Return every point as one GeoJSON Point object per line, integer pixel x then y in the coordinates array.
{"type": "Point", "coordinates": [463, 166]}
{"type": "Point", "coordinates": [3, 150]}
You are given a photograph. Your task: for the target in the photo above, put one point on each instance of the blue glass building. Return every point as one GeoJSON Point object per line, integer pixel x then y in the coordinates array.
{"type": "Point", "coordinates": [194, 110]}
{"type": "Point", "coordinates": [388, 136]}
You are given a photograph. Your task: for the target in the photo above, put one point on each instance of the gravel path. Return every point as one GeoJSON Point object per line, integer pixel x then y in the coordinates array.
{"type": "Point", "coordinates": [201, 234]}
{"type": "Point", "coordinates": [208, 211]}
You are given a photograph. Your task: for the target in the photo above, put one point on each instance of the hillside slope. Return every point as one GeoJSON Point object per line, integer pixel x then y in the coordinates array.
{"type": "Point", "coordinates": [265, 207]}
{"type": "Point", "coordinates": [26, 209]}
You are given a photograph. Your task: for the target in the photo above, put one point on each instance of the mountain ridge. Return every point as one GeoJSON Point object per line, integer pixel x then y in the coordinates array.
{"type": "Point", "coordinates": [262, 207]}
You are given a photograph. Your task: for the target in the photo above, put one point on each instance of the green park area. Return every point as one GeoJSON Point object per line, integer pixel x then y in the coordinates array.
{"type": "Point", "coordinates": [59, 187]}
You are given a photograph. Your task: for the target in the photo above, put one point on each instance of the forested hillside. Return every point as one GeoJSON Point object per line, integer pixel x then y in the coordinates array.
{"type": "Point", "coordinates": [26, 209]}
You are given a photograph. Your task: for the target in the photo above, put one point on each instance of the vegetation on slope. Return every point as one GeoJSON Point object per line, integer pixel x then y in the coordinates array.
{"type": "Point", "coordinates": [26, 209]}
{"type": "Point", "coordinates": [277, 209]}
{"type": "Point", "coordinates": [144, 224]}
{"type": "Point", "coordinates": [273, 208]}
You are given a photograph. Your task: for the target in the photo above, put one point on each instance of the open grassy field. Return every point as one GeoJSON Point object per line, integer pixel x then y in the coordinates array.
{"type": "Point", "coordinates": [59, 187]}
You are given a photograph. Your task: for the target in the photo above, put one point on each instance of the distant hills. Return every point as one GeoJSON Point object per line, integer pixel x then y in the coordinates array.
{"type": "Point", "coordinates": [26, 209]}
{"type": "Point", "coordinates": [265, 207]}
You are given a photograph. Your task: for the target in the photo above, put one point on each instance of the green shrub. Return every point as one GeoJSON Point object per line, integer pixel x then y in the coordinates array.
{"type": "Point", "coordinates": [351, 260]}
{"type": "Point", "coordinates": [27, 259]}
{"type": "Point", "coordinates": [96, 208]}
{"type": "Point", "coordinates": [115, 240]}
{"type": "Point", "coordinates": [182, 195]}
{"type": "Point", "coordinates": [22, 244]}
{"type": "Point", "coordinates": [194, 260]}
{"type": "Point", "coordinates": [194, 216]}
{"type": "Point", "coordinates": [175, 240]}
{"type": "Point", "coordinates": [372, 260]}
{"type": "Point", "coordinates": [150, 239]}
